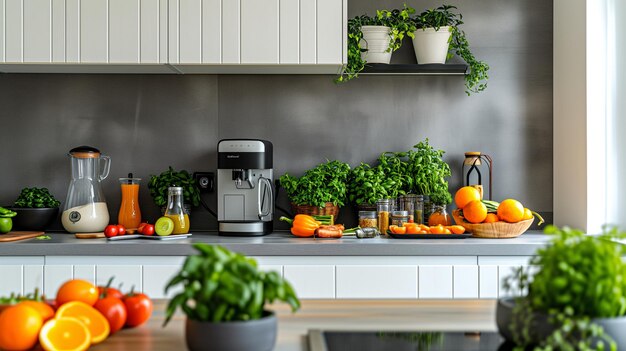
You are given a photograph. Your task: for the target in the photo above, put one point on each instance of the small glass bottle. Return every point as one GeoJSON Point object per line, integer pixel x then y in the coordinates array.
{"type": "Point", "coordinates": [439, 216]}
{"type": "Point", "coordinates": [367, 219]}
{"type": "Point", "coordinates": [383, 207]}
{"type": "Point", "coordinates": [130, 214]}
{"type": "Point", "coordinates": [407, 203]}
{"type": "Point", "coordinates": [419, 209]}
{"type": "Point", "coordinates": [176, 211]}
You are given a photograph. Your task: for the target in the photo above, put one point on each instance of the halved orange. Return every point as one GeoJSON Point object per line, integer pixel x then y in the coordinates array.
{"type": "Point", "coordinates": [64, 334]}
{"type": "Point", "coordinates": [96, 323]}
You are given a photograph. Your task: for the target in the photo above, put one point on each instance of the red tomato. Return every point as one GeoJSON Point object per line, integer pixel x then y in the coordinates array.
{"type": "Point", "coordinates": [148, 229]}
{"type": "Point", "coordinates": [104, 291]}
{"type": "Point", "coordinates": [141, 226]}
{"type": "Point", "coordinates": [114, 310]}
{"type": "Point", "coordinates": [111, 231]}
{"type": "Point", "coordinates": [139, 308]}
{"type": "Point", "coordinates": [121, 230]}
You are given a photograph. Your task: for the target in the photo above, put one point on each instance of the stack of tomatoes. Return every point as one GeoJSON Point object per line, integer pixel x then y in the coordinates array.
{"type": "Point", "coordinates": [82, 315]}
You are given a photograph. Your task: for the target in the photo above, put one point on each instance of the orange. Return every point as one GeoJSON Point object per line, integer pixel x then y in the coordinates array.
{"type": "Point", "coordinates": [475, 212]}
{"type": "Point", "coordinates": [423, 232]}
{"type": "Point", "coordinates": [399, 230]}
{"type": "Point", "coordinates": [96, 323]}
{"type": "Point", "coordinates": [19, 327]}
{"type": "Point", "coordinates": [65, 333]}
{"type": "Point", "coordinates": [457, 229]}
{"type": "Point", "coordinates": [447, 231]}
{"type": "Point", "coordinates": [465, 195]}
{"type": "Point", "coordinates": [510, 211]}
{"type": "Point", "coordinates": [411, 228]}
{"type": "Point", "coordinates": [437, 229]}
{"type": "Point", "coordinates": [77, 290]}
{"type": "Point", "coordinates": [527, 214]}
{"type": "Point", "coordinates": [491, 218]}
{"type": "Point", "coordinates": [424, 227]}
{"type": "Point", "coordinates": [43, 308]}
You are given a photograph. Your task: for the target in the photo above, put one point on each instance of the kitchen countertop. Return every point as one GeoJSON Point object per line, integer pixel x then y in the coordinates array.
{"type": "Point", "coordinates": [377, 315]}
{"type": "Point", "coordinates": [279, 244]}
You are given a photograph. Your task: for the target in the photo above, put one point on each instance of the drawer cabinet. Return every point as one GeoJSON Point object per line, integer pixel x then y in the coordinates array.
{"type": "Point", "coordinates": [312, 281]}
{"type": "Point", "coordinates": [377, 282]}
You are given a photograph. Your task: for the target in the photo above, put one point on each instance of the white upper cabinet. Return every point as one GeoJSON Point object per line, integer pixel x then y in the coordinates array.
{"type": "Point", "coordinates": [173, 36]}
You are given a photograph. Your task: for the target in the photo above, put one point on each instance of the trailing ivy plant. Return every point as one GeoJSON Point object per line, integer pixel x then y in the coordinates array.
{"type": "Point", "coordinates": [324, 183]}
{"type": "Point", "coordinates": [442, 16]}
{"type": "Point", "coordinates": [580, 277]}
{"type": "Point", "coordinates": [401, 24]}
{"type": "Point", "coordinates": [429, 172]}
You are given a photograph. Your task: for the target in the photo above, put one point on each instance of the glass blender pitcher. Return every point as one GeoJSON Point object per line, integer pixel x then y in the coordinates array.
{"type": "Point", "coordinates": [85, 209]}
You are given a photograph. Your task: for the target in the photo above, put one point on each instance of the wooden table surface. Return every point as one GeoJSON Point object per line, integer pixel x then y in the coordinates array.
{"type": "Point", "coordinates": [440, 315]}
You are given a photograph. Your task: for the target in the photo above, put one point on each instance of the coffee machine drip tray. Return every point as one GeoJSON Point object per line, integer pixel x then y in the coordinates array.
{"type": "Point", "coordinates": [244, 228]}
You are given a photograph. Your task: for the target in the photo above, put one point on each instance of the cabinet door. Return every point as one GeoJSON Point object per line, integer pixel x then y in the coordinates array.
{"type": "Point", "coordinates": [11, 280]}
{"type": "Point", "coordinates": [33, 278]}
{"type": "Point", "coordinates": [435, 282]}
{"type": "Point", "coordinates": [88, 272]}
{"type": "Point", "coordinates": [377, 282]}
{"type": "Point", "coordinates": [312, 281]}
{"type": "Point", "coordinates": [329, 29]}
{"type": "Point", "coordinates": [55, 276]}
{"type": "Point", "coordinates": [488, 281]}
{"type": "Point", "coordinates": [156, 277]}
{"type": "Point", "coordinates": [259, 31]}
{"type": "Point", "coordinates": [505, 271]}
{"type": "Point", "coordinates": [127, 275]}
{"type": "Point", "coordinates": [465, 282]}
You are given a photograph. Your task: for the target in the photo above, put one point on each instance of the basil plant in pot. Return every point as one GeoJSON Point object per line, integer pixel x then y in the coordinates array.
{"type": "Point", "coordinates": [374, 39]}
{"type": "Point", "coordinates": [577, 298]}
{"type": "Point", "coordinates": [438, 36]}
{"type": "Point", "coordinates": [224, 295]}
{"type": "Point", "coordinates": [158, 186]}
{"type": "Point", "coordinates": [429, 171]}
{"type": "Point", "coordinates": [320, 191]}
{"type": "Point", "coordinates": [387, 180]}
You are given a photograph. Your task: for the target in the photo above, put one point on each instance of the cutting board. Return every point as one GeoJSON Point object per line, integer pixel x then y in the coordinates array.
{"type": "Point", "coordinates": [15, 236]}
{"type": "Point", "coordinates": [89, 235]}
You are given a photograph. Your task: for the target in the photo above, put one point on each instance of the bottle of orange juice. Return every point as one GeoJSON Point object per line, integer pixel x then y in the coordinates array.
{"type": "Point", "coordinates": [130, 213]}
{"type": "Point", "coordinates": [175, 210]}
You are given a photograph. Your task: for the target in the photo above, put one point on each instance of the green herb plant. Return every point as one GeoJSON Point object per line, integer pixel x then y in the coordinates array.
{"type": "Point", "coordinates": [36, 198]}
{"type": "Point", "coordinates": [223, 286]}
{"type": "Point", "coordinates": [580, 277]}
{"type": "Point", "coordinates": [398, 20]}
{"type": "Point", "coordinates": [324, 183]}
{"type": "Point", "coordinates": [158, 187]}
{"type": "Point", "coordinates": [368, 184]}
{"type": "Point", "coordinates": [429, 172]}
{"type": "Point", "coordinates": [442, 16]}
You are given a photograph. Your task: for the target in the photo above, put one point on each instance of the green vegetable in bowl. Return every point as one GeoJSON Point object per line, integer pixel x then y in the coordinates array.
{"type": "Point", "coordinates": [36, 198]}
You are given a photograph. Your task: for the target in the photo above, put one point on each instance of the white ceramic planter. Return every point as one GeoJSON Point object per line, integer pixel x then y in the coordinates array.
{"type": "Point", "coordinates": [376, 40]}
{"type": "Point", "coordinates": [431, 46]}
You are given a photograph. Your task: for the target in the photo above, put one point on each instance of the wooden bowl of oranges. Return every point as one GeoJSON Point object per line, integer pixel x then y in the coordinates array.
{"type": "Point", "coordinates": [490, 219]}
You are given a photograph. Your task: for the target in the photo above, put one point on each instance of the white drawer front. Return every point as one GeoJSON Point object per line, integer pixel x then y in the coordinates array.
{"type": "Point", "coordinates": [435, 282]}
{"type": "Point", "coordinates": [465, 282]}
{"type": "Point", "coordinates": [11, 280]}
{"type": "Point", "coordinates": [488, 282]}
{"type": "Point", "coordinates": [127, 275]}
{"type": "Point", "coordinates": [312, 281]}
{"type": "Point", "coordinates": [376, 282]}
{"type": "Point", "coordinates": [155, 278]}
{"type": "Point", "coordinates": [54, 277]}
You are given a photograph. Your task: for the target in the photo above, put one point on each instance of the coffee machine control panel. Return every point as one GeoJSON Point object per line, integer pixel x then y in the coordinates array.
{"type": "Point", "coordinates": [235, 146]}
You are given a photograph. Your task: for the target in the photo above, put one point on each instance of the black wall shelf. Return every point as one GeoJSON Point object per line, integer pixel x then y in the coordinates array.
{"type": "Point", "coordinates": [454, 66]}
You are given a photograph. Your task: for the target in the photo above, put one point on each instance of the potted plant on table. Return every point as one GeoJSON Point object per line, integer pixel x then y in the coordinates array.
{"type": "Point", "coordinates": [438, 36]}
{"type": "Point", "coordinates": [320, 191]}
{"type": "Point", "coordinates": [577, 298]}
{"type": "Point", "coordinates": [158, 188]}
{"type": "Point", "coordinates": [224, 297]}
{"type": "Point", "coordinates": [35, 209]}
{"type": "Point", "coordinates": [374, 39]}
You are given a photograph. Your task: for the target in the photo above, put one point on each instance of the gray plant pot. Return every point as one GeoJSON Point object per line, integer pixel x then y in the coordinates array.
{"type": "Point", "coordinates": [259, 335]}
{"type": "Point", "coordinates": [541, 328]}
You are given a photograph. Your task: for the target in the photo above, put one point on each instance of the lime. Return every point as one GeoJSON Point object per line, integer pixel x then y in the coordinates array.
{"type": "Point", "coordinates": [164, 226]}
{"type": "Point", "coordinates": [6, 224]}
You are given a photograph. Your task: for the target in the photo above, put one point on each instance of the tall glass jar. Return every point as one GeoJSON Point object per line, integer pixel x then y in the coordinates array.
{"type": "Point", "coordinates": [439, 216]}
{"type": "Point", "coordinates": [175, 210]}
{"type": "Point", "coordinates": [407, 203]}
{"type": "Point", "coordinates": [418, 206]}
{"type": "Point", "coordinates": [383, 209]}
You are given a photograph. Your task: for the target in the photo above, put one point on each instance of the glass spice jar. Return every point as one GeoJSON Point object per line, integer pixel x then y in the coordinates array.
{"type": "Point", "coordinates": [367, 219]}
{"type": "Point", "coordinates": [439, 216]}
{"type": "Point", "coordinates": [399, 218]}
{"type": "Point", "coordinates": [418, 207]}
{"type": "Point", "coordinates": [383, 208]}
{"type": "Point", "coordinates": [407, 203]}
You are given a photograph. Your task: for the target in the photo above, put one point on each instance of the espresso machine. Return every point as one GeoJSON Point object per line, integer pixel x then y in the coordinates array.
{"type": "Point", "coordinates": [245, 197]}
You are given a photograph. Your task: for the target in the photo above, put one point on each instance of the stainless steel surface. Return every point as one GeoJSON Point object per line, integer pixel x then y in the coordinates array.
{"type": "Point", "coordinates": [255, 227]}
{"type": "Point", "coordinates": [279, 244]}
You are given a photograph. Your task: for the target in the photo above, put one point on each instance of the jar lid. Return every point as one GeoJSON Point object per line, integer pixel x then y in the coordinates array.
{"type": "Point", "coordinates": [383, 201]}
{"type": "Point", "coordinates": [400, 213]}
{"type": "Point", "coordinates": [85, 152]}
{"type": "Point", "coordinates": [371, 214]}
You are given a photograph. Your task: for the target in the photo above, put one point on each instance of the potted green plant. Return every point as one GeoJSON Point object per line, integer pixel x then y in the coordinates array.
{"type": "Point", "coordinates": [374, 39]}
{"type": "Point", "coordinates": [577, 298]}
{"type": "Point", "coordinates": [224, 296]}
{"type": "Point", "coordinates": [320, 190]}
{"type": "Point", "coordinates": [438, 36]}
{"type": "Point", "coordinates": [158, 187]}
{"type": "Point", "coordinates": [35, 209]}
{"type": "Point", "coordinates": [429, 171]}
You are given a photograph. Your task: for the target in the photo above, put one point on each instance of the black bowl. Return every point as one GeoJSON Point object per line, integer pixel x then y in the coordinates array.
{"type": "Point", "coordinates": [33, 218]}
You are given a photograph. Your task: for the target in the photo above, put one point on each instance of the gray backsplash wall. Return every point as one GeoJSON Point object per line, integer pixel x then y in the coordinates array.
{"type": "Point", "coordinates": [146, 123]}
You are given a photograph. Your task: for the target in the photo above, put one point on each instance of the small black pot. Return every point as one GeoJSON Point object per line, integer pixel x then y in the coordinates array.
{"type": "Point", "coordinates": [258, 335]}
{"type": "Point", "coordinates": [541, 328]}
{"type": "Point", "coordinates": [33, 218]}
